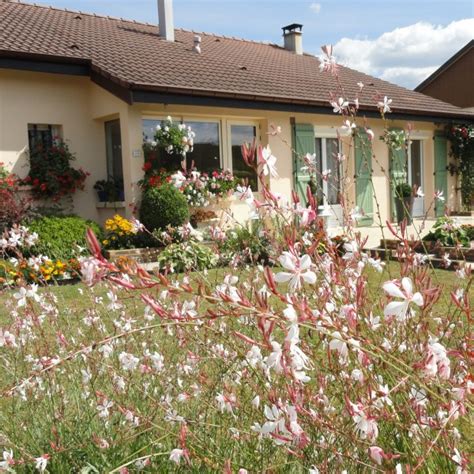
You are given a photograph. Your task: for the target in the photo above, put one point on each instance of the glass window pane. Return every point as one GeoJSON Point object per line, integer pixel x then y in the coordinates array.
{"type": "Point", "coordinates": [113, 147]}
{"type": "Point", "coordinates": [415, 165]}
{"type": "Point", "coordinates": [205, 156]}
{"type": "Point", "coordinates": [241, 134]}
{"type": "Point", "coordinates": [332, 148]}
{"type": "Point", "coordinates": [319, 169]}
{"type": "Point", "coordinates": [40, 136]}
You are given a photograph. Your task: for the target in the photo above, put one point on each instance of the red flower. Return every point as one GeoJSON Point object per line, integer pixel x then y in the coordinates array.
{"type": "Point", "coordinates": [147, 166]}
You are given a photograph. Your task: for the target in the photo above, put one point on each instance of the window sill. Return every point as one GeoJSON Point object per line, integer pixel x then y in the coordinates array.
{"type": "Point", "coordinates": [110, 205]}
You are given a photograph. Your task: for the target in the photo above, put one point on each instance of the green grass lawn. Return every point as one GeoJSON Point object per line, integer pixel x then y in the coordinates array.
{"type": "Point", "coordinates": [69, 294]}
{"type": "Point", "coordinates": [75, 423]}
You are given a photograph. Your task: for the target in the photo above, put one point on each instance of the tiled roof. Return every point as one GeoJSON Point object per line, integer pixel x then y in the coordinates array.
{"type": "Point", "coordinates": [135, 56]}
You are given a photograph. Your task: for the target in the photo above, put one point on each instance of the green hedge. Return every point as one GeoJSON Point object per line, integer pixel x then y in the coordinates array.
{"type": "Point", "coordinates": [60, 236]}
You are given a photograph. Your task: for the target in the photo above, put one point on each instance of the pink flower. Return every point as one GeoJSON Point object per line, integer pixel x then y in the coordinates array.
{"type": "Point", "coordinates": [376, 454]}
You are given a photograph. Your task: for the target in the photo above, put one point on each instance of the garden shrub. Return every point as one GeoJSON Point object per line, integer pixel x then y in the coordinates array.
{"type": "Point", "coordinates": [249, 243]}
{"type": "Point", "coordinates": [187, 256]}
{"type": "Point", "coordinates": [59, 237]}
{"type": "Point", "coordinates": [469, 229]}
{"type": "Point", "coordinates": [448, 232]}
{"type": "Point", "coordinates": [162, 207]}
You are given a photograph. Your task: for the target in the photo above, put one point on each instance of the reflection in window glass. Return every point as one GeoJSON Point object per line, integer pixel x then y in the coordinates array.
{"type": "Point", "coordinates": [319, 169]}
{"type": "Point", "coordinates": [241, 134]}
{"type": "Point", "coordinates": [155, 156]}
{"type": "Point", "coordinates": [332, 148]}
{"type": "Point", "coordinates": [326, 159]}
{"type": "Point", "coordinates": [206, 153]}
{"type": "Point", "coordinates": [205, 156]}
{"type": "Point", "coordinates": [41, 136]}
{"type": "Point", "coordinates": [415, 163]}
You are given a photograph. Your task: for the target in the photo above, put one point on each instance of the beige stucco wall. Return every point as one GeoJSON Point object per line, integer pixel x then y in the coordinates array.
{"type": "Point", "coordinates": [81, 107]}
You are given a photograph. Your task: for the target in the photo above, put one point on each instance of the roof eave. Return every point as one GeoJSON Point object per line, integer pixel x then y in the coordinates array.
{"type": "Point", "coordinates": [181, 96]}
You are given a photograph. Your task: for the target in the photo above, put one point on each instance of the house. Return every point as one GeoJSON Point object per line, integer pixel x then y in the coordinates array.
{"type": "Point", "coordinates": [104, 83]}
{"type": "Point", "coordinates": [452, 81]}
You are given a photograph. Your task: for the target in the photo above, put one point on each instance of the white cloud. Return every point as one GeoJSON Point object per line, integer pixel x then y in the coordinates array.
{"type": "Point", "coordinates": [315, 7]}
{"type": "Point", "coordinates": [406, 55]}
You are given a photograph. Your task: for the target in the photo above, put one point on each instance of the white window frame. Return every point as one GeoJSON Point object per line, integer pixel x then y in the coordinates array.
{"type": "Point", "coordinates": [323, 133]}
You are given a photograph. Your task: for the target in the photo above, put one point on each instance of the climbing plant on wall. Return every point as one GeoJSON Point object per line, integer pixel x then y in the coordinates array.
{"type": "Point", "coordinates": [462, 149]}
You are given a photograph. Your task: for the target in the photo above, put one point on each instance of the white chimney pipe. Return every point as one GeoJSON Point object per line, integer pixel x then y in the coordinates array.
{"type": "Point", "coordinates": [197, 44]}
{"type": "Point", "coordinates": [165, 16]}
{"type": "Point", "coordinates": [293, 38]}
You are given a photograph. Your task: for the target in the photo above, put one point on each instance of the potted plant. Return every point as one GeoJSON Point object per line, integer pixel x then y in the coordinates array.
{"type": "Point", "coordinates": [119, 190]}
{"type": "Point", "coordinates": [101, 188]}
{"type": "Point", "coordinates": [404, 202]}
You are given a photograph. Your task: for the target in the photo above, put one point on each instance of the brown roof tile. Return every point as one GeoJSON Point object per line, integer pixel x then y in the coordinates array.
{"type": "Point", "coordinates": [134, 55]}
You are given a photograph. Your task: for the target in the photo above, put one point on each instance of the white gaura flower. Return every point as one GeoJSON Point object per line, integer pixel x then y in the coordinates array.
{"type": "Point", "coordinates": [420, 193]}
{"type": "Point", "coordinates": [176, 455]}
{"type": "Point", "coordinates": [338, 344]}
{"type": "Point", "coordinates": [42, 462]}
{"type": "Point", "coordinates": [268, 161]}
{"type": "Point", "coordinates": [399, 309]}
{"type": "Point", "coordinates": [347, 128]}
{"type": "Point", "coordinates": [339, 105]}
{"type": "Point", "coordinates": [384, 105]}
{"type": "Point", "coordinates": [128, 361]}
{"type": "Point", "coordinates": [326, 174]}
{"type": "Point", "coordinates": [7, 461]}
{"type": "Point", "coordinates": [24, 293]}
{"type": "Point", "coordinates": [298, 271]}
{"type": "Point", "coordinates": [104, 408]}
{"type": "Point", "coordinates": [244, 193]}
{"type": "Point", "coordinates": [377, 264]}
{"type": "Point", "coordinates": [365, 425]}
{"type": "Point", "coordinates": [439, 195]}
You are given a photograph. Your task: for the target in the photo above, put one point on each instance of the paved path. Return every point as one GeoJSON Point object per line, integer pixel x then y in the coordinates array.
{"type": "Point", "coordinates": [419, 228]}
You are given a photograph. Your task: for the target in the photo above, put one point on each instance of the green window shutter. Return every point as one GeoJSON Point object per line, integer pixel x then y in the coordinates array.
{"type": "Point", "coordinates": [398, 172]}
{"type": "Point", "coordinates": [363, 184]}
{"type": "Point", "coordinates": [303, 142]}
{"type": "Point", "coordinates": [440, 171]}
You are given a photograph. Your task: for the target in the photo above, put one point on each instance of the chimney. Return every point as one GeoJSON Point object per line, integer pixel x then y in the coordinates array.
{"type": "Point", "coordinates": [293, 38]}
{"type": "Point", "coordinates": [165, 16]}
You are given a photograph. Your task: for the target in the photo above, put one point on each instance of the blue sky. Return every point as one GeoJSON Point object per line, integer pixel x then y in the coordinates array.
{"type": "Point", "coordinates": [402, 41]}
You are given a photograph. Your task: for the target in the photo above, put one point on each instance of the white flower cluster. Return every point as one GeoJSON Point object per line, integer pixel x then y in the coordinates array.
{"type": "Point", "coordinates": [176, 138]}
{"type": "Point", "coordinates": [17, 237]}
